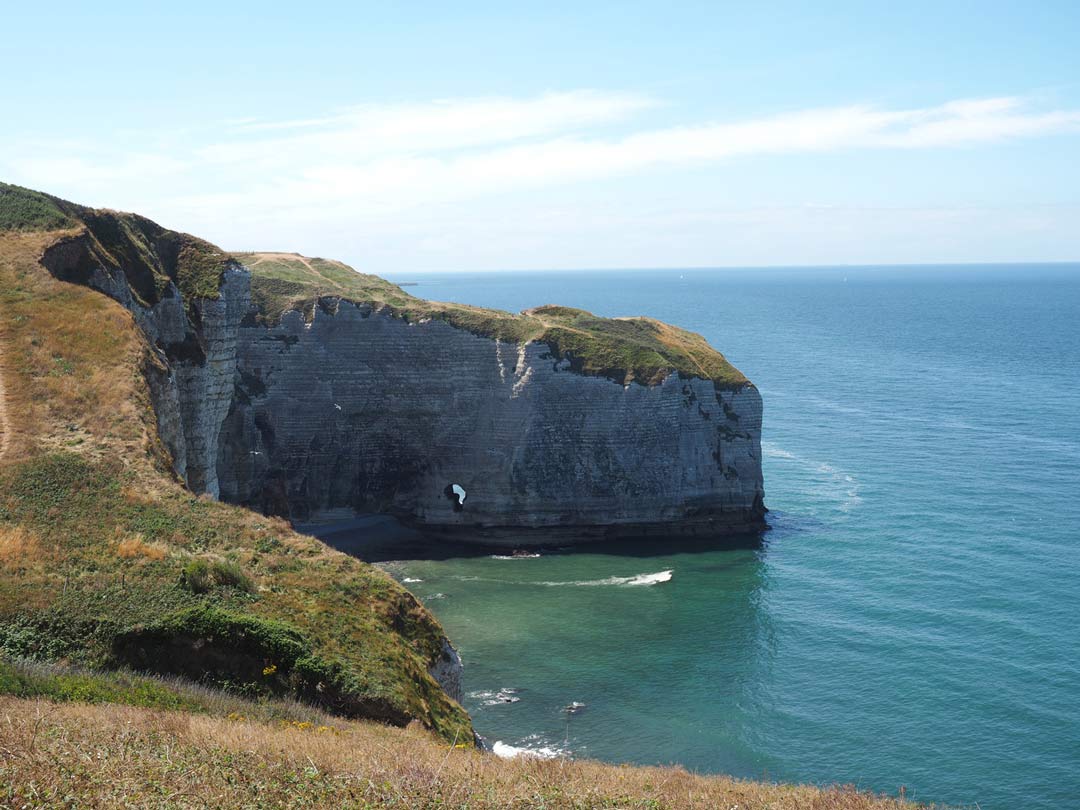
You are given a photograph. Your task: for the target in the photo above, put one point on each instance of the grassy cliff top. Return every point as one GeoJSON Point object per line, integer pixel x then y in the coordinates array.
{"type": "Point", "coordinates": [627, 350]}
{"type": "Point", "coordinates": [149, 255]}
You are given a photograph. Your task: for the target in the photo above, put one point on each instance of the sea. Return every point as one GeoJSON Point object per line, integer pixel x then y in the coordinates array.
{"type": "Point", "coordinates": [910, 622]}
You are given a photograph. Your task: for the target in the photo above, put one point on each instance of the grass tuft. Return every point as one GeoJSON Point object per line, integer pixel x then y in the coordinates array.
{"type": "Point", "coordinates": [202, 576]}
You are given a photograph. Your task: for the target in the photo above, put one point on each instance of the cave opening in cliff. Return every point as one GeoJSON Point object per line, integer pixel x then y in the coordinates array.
{"type": "Point", "coordinates": [456, 494]}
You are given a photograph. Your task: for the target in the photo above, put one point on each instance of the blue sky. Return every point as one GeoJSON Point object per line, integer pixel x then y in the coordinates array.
{"type": "Point", "coordinates": [477, 136]}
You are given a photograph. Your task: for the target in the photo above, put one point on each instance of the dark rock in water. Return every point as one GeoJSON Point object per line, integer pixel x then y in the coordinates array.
{"type": "Point", "coordinates": [496, 698]}
{"type": "Point", "coordinates": [575, 708]}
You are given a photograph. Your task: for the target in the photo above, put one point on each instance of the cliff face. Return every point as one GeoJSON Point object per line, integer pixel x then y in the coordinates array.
{"type": "Point", "coordinates": [335, 407]}
{"type": "Point", "coordinates": [359, 410]}
{"type": "Point", "coordinates": [194, 339]}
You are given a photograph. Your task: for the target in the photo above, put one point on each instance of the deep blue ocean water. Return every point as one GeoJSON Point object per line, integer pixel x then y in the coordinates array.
{"type": "Point", "coordinates": [913, 616]}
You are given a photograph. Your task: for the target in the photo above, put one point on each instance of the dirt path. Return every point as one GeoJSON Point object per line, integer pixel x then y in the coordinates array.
{"type": "Point", "coordinates": [5, 429]}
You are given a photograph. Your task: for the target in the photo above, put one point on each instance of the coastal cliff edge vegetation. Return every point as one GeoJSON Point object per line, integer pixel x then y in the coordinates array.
{"type": "Point", "coordinates": [626, 350]}
{"type": "Point", "coordinates": [144, 757]}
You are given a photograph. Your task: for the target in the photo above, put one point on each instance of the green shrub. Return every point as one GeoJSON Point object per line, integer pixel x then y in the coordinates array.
{"type": "Point", "coordinates": [24, 210]}
{"type": "Point", "coordinates": [201, 576]}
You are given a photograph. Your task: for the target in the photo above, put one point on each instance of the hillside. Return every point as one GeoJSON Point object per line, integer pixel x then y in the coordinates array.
{"type": "Point", "coordinates": [108, 561]}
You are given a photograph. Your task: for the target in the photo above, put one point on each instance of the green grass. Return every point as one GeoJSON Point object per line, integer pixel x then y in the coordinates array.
{"type": "Point", "coordinates": [68, 684]}
{"type": "Point", "coordinates": [24, 210]}
{"type": "Point", "coordinates": [625, 350]}
{"type": "Point", "coordinates": [151, 256]}
{"type": "Point", "coordinates": [107, 578]}
{"type": "Point", "coordinates": [202, 576]}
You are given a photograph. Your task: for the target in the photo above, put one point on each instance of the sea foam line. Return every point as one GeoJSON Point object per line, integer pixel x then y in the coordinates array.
{"type": "Point", "coordinates": [845, 487]}
{"type": "Point", "coordinates": [654, 578]}
{"type": "Point", "coordinates": [638, 579]}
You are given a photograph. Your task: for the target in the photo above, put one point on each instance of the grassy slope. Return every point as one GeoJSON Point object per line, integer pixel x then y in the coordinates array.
{"type": "Point", "coordinates": [95, 534]}
{"type": "Point", "coordinates": [624, 349]}
{"type": "Point", "coordinates": [95, 756]}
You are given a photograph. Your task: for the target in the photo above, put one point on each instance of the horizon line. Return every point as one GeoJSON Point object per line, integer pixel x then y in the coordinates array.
{"type": "Point", "coordinates": [1064, 263]}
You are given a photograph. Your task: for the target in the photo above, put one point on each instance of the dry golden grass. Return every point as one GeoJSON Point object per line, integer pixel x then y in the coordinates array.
{"type": "Point", "coordinates": [120, 756]}
{"type": "Point", "coordinates": [20, 548]}
{"type": "Point", "coordinates": [135, 546]}
{"type": "Point", "coordinates": [70, 362]}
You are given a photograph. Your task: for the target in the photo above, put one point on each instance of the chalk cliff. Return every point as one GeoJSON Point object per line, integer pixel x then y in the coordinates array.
{"type": "Point", "coordinates": [360, 409]}
{"type": "Point", "coordinates": [303, 389]}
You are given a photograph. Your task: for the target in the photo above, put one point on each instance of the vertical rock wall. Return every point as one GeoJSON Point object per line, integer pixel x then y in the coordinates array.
{"type": "Point", "coordinates": [360, 410]}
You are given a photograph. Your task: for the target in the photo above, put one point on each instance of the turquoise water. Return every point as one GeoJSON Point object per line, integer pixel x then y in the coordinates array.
{"type": "Point", "coordinates": [913, 616]}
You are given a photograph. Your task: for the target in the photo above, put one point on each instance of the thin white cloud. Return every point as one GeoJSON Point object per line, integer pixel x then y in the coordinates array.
{"type": "Point", "coordinates": [545, 140]}
{"type": "Point", "coordinates": [369, 160]}
{"type": "Point", "coordinates": [369, 131]}
{"type": "Point", "coordinates": [346, 170]}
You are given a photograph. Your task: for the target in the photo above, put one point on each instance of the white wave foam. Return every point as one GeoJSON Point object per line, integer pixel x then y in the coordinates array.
{"type": "Point", "coordinates": [772, 451]}
{"type": "Point", "coordinates": [639, 579]}
{"type": "Point", "coordinates": [514, 556]}
{"type": "Point", "coordinates": [412, 579]}
{"type": "Point", "coordinates": [507, 751]}
{"type": "Point", "coordinates": [489, 698]}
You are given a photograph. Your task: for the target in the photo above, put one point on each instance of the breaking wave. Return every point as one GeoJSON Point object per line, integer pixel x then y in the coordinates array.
{"type": "Point", "coordinates": [530, 747]}
{"type": "Point", "coordinates": [490, 698]}
{"type": "Point", "coordinates": [638, 579]}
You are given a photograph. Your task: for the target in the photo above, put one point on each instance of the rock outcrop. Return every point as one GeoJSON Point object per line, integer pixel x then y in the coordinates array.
{"type": "Point", "coordinates": [334, 406]}
{"type": "Point", "coordinates": [357, 408]}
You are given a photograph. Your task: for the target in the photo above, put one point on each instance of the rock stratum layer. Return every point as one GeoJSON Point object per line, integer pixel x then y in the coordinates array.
{"type": "Point", "coordinates": [306, 390]}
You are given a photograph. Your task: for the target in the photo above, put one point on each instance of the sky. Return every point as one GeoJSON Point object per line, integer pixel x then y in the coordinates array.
{"type": "Point", "coordinates": [421, 136]}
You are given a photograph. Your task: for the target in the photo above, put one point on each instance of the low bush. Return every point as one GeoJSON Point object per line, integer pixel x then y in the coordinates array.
{"type": "Point", "coordinates": [202, 576]}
